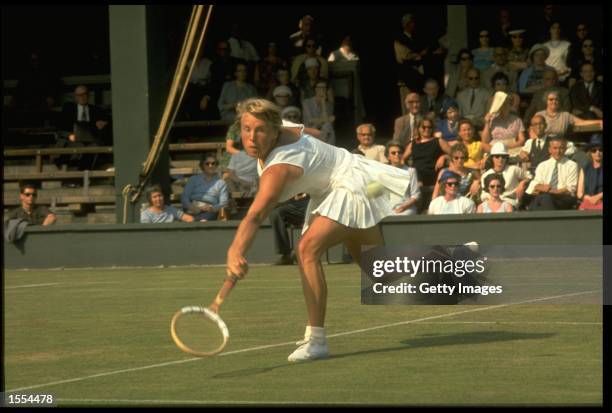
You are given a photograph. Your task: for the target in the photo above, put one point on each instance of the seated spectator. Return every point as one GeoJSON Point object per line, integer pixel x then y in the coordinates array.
{"type": "Point", "coordinates": [515, 178]}
{"type": "Point", "coordinates": [556, 180]}
{"type": "Point", "coordinates": [590, 180]}
{"type": "Point", "coordinates": [494, 186]}
{"type": "Point", "coordinates": [468, 184]}
{"type": "Point", "coordinates": [366, 134]}
{"type": "Point", "coordinates": [535, 150]}
{"type": "Point", "coordinates": [580, 35]}
{"type": "Point", "coordinates": [447, 128]}
{"type": "Point", "coordinates": [483, 55]}
{"type": "Point", "coordinates": [292, 114]}
{"type": "Point", "coordinates": [200, 92]}
{"type": "Point", "coordinates": [458, 73]}
{"type": "Point", "coordinates": [241, 48]}
{"type": "Point", "coordinates": [473, 100]}
{"type": "Point", "coordinates": [501, 65]}
{"type": "Point", "coordinates": [503, 126]}
{"type": "Point", "coordinates": [282, 96]}
{"type": "Point", "coordinates": [298, 66]}
{"type": "Point", "coordinates": [29, 211]}
{"type": "Point", "coordinates": [538, 102]}
{"type": "Point", "coordinates": [530, 80]}
{"type": "Point", "coordinates": [587, 94]}
{"type": "Point", "coordinates": [450, 202]}
{"type": "Point", "coordinates": [405, 128]}
{"type": "Point", "coordinates": [588, 54]}
{"type": "Point", "coordinates": [283, 79]}
{"type": "Point", "coordinates": [402, 205]}
{"type": "Point", "coordinates": [319, 113]}
{"type": "Point", "coordinates": [159, 212]}
{"type": "Point", "coordinates": [241, 174]}
{"type": "Point", "coordinates": [205, 194]}
{"type": "Point", "coordinates": [306, 31]}
{"type": "Point", "coordinates": [518, 55]}
{"type": "Point", "coordinates": [234, 92]}
{"type": "Point", "coordinates": [409, 52]}
{"type": "Point", "coordinates": [475, 149]}
{"type": "Point", "coordinates": [559, 52]}
{"type": "Point", "coordinates": [433, 103]}
{"type": "Point", "coordinates": [499, 83]}
{"type": "Point", "coordinates": [560, 123]}
{"type": "Point", "coordinates": [81, 125]}
{"type": "Point", "coordinates": [267, 69]}
{"type": "Point", "coordinates": [286, 214]}
{"type": "Point", "coordinates": [344, 52]}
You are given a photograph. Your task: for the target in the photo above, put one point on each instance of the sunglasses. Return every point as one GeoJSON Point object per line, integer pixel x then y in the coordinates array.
{"type": "Point", "coordinates": [394, 153]}
{"type": "Point", "coordinates": [495, 186]}
{"type": "Point", "coordinates": [452, 184]}
{"type": "Point", "coordinates": [211, 163]}
{"type": "Point", "coordinates": [597, 150]}
{"type": "Point", "coordinates": [500, 156]}
{"type": "Point", "coordinates": [28, 194]}
{"type": "Point", "coordinates": [458, 158]}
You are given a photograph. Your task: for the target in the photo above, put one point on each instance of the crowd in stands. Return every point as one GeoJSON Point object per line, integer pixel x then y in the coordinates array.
{"type": "Point", "coordinates": [488, 130]}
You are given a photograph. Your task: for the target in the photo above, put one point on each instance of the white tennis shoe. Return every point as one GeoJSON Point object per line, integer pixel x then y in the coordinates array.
{"type": "Point", "coordinates": [310, 349]}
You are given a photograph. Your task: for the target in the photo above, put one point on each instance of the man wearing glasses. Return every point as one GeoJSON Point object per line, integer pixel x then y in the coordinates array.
{"type": "Point", "coordinates": [474, 99]}
{"type": "Point", "coordinates": [34, 214]}
{"type": "Point", "coordinates": [405, 127]}
{"type": "Point", "coordinates": [205, 194]}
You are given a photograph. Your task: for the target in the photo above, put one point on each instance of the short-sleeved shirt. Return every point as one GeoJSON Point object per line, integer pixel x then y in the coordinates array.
{"type": "Point", "coordinates": [461, 205]}
{"type": "Point", "coordinates": [37, 217]}
{"type": "Point", "coordinates": [244, 166]}
{"type": "Point", "coordinates": [558, 125]}
{"type": "Point", "coordinates": [374, 152]}
{"type": "Point", "coordinates": [169, 214]}
{"type": "Point", "coordinates": [506, 130]}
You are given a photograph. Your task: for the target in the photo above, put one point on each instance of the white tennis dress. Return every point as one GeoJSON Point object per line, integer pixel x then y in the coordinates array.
{"type": "Point", "coordinates": [336, 181]}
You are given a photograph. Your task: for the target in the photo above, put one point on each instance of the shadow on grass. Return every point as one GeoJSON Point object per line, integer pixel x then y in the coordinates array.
{"type": "Point", "coordinates": [475, 337]}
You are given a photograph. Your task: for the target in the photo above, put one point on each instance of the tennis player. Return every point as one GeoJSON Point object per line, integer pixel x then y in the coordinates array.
{"type": "Point", "coordinates": [339, 211]}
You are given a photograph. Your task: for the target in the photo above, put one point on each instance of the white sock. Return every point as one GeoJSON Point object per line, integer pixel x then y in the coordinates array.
{"type": "Point", "coordinates": [317, 333]}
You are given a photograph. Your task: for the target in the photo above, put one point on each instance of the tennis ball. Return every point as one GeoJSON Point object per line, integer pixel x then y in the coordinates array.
{"type": "Point", "coordinates": [374, 189]}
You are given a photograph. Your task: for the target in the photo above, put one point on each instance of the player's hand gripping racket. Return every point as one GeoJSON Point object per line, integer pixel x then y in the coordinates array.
{"type": "Point", "coordinates": [199, 330]}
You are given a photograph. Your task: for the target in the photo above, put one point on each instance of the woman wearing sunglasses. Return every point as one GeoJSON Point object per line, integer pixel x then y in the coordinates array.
{"type": "Point", "coordinates": [494, 185]}
{"type": "Point", "coordinates": [468, 185]}
{"type": "Point", "coordinates": [590, 180]}
{"type": "Point", "coordinates": [451, 201]}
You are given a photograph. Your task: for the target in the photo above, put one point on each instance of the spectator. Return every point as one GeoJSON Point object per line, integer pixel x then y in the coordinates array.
{"type": "Point", "coordinates": [292, 114]}
{"type": "Point", "coordinates": [518, 55]}
{"type": "Point", "coordinates": [432, 102]}
{"type": "Point", "coordinates": [200, 92]}
{"type": "Point", "coordinates": [299, 67]}
{"type": "Point", "coordinates": [450, 202]}
{"type": "Point", "coordinates": [222, 69]}
{"type": "Point", "coordinates": [530, 80]}
{"type": "Point", "coordinates": [29, 211]}
{"type": "Point", "coordinates": [503, 126]}
{"type": "Point", "coordinates": [405, 127]}
{"type": "Point", "coordinates": [241, 48]}
{"type": "Point", "coordinates": [502, 36]}
{"type": "Point", "coordinates": [81, 125]}
{"type": "Point", "coordinates": [535, 150]}
{"type": "Point", "coordinates": [587, 54]}
{"type": "Point", "coordinates": [473, 100]}
{"type": "Point", "coordinates": [587, 94]}
{"type": "Point", "coordinates": [590, 180]}
{"type": "Point", "coordinates": [458, 73]}
{"type": "Point", "coordinates": [319, 113]}
{"type": "Point", "coordinates": [550, 83]}
{"type": "Point", "coordinates": [556, 180]}
{"type": "Point", "coordinates": [558, 122]}
{"type": "Point", "coordinates": [500, 65]}
{"type": "Point", "coordinates": [500, 83]}
{"type": "Point", "coordinates": [283, 79]}
{"type": "Point", "coordinates": [448, 127]}
{"type": "Point", "coordinates": [159, 212]}
{"type": "Point", "coordinates": [266, 70]}
{"type": "Point", "coordinates": [483, 55]}
{"type": "Point", "coordinates": [309, 82]}
{"type": "Point", "coordinates": [515, 178]}
{"type": "Point", "coordinates": [402, 205]}
{"type": "Point", "coordinates": [494, 185]}
{"type": "Point", "coordinates": [366, 134]}
{"type": "Point", "coordinates": [286, 214]}
{"type": "Point", "coordinates": [234, 92]}
{"type": "Point", "coordinates": [475, 149]}
{"type": "Point", "coordinates": [426, 153]}
{"type": "Point", "coordinates": [205, 194]}
{"type": "Point", "coordinates": [549, 16]}
{"type": "Point", "coordinates": [559, 52]}
{"type": "Point", "coordinates": [344, 52]}
{"type": "Point", "coordinates": [233, 142]}
{"type": "Point", "coordinates": [282, 96]}
{"type": "Point", "coordinates": [306, 30]}
{"type": "Point", "coordinates": [409, 54]}
{"type": "Point", "coordinates": [468, 184]}
{"type": "Point", "coordinates": [241, 174]}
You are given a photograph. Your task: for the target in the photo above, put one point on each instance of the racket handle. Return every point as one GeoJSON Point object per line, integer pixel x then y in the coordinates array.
{"type": "Point", "coordinates": [228, 284]}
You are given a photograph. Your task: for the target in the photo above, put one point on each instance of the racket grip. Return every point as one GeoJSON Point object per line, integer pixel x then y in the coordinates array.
{"type": "Point", "coordinates": [228, 284]}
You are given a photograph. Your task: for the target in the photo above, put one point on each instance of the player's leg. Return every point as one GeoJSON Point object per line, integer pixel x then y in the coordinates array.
{"type": "Point", "coordinates": [359, 237]}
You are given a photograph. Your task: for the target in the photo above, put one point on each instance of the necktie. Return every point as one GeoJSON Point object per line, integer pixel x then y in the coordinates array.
{"type": "Point", "coordinates": [538, 145]}
{"type": "Point", "coordinates": [554, 179]}
{"type": "Point", "coordinates": [412, 127]}
{"type": "Point", "coordinates": [590, 89]}
{"type": "Point", "coordinates": [431, 106]}
{"type": "Point", "coordinates": [472, 98]}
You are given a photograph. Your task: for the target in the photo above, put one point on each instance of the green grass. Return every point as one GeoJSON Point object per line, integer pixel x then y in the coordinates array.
{"type": "Point", "coordinates": [97, 321]}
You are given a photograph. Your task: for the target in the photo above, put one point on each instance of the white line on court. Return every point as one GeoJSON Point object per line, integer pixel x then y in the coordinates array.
{"type": "Point", "coordinates": [235, 402]}
{"type": "Point", "coordinates": [169, 363]}
{"type": "Point", "coordinates": [516, 322]}
{"type": "Point", "coordinates": [12, 287]}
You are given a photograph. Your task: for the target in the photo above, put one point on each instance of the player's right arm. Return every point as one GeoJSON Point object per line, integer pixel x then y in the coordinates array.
{"type": "Point", "coordinates": [271, 185]}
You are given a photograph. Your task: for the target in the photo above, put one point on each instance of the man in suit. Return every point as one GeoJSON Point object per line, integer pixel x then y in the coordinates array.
{"type": "Point", "coordinates": [432, 102]}
{"type": "Point", "coordinates": [474, 99]}
{"type": "Point", "coordinates": [405, 127]}
{"type": "Point", "coordinates": [587, 94]}
{"type": "Point", "coordinates": [81, 125]}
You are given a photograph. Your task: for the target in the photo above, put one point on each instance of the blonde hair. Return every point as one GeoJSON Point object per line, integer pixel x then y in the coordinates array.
{"type": "Point", "coordinates": [261, 109]}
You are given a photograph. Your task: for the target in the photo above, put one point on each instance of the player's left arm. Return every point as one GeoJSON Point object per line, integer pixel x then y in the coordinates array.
{"type": "Point", "coordinates": [271, 186]}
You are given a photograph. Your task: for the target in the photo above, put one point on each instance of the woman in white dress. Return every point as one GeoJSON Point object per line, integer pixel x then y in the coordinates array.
{"type": "Point", "coordinates": [339, 211]}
